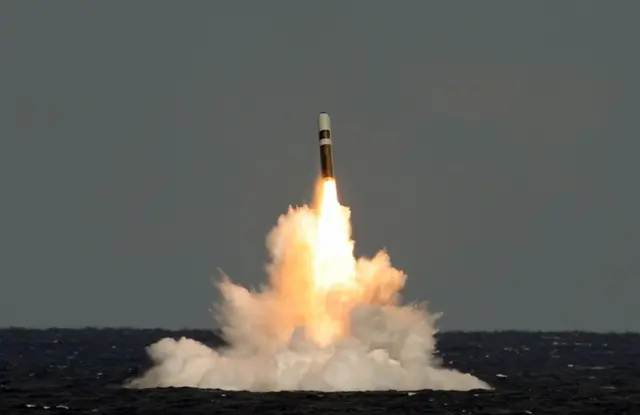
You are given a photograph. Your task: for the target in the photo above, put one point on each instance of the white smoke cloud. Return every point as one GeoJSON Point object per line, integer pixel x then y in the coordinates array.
{"type": "Point", "coordinates": [383, 346]}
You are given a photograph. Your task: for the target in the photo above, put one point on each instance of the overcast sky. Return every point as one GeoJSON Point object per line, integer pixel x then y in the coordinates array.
{"type": "Point", "coordinates": [491, 147]}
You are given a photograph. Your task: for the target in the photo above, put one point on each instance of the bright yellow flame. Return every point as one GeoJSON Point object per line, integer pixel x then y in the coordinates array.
{"type": "Point", "coordinates": [334, 266]}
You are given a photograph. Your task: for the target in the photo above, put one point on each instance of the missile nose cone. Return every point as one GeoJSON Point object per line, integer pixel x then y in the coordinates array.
{"type": "Point", "coordinates": [324, 122]}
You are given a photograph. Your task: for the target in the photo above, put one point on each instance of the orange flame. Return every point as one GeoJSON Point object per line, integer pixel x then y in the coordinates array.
{"type": "Point", "coordinates": [315, 276]}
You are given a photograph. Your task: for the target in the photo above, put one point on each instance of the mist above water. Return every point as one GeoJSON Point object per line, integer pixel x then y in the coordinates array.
{"type": "Point", "coordinates": [325, 322]}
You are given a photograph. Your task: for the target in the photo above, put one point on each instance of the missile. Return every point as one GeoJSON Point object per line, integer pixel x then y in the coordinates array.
{"type": "Point", "coordinates": [326, 152]}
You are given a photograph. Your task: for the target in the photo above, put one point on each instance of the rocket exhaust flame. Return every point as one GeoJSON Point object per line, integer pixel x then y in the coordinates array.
{"type": "Point", "coordinates": [327, 321]}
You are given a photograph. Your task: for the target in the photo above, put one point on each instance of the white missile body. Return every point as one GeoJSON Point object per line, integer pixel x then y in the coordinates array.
{"type": "Point", "coordinates": [326, 151]}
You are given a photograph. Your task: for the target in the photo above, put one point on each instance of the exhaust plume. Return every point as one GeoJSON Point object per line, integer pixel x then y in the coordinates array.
{"type": "Point", "coordinates": [326, 322]}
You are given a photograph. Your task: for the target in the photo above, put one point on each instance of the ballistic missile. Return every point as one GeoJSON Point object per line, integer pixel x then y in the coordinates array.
{"type": "Point", "coordinates": [326, 151]}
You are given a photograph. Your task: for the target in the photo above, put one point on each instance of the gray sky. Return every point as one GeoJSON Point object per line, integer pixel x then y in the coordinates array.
{"type": "Point", "coordinates": [491, 147]}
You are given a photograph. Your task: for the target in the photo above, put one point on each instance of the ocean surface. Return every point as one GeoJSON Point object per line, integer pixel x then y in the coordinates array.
{"type": "Point", "coordinates": [82, 371]}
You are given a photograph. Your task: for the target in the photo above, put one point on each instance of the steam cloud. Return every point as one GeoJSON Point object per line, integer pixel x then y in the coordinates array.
{"type": "Point", "coordinates": [382, 345]}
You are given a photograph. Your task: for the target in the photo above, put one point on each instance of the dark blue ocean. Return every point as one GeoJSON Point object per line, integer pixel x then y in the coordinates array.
{"type": "Point", "coordinates": [82, 371]}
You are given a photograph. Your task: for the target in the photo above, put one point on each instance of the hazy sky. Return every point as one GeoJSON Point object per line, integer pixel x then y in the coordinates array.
{"type": "Point", "coordinates": [491, 147]}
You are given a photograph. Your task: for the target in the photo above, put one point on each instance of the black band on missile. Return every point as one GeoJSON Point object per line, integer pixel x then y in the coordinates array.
{"type": "Point", "coordinates": [326, 161]}
{"type": "Point", "coordinates": [325, 134]}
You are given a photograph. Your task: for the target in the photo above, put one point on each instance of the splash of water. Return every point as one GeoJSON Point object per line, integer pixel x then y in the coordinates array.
{"type": "Point", "coordinates": [327, 321]}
